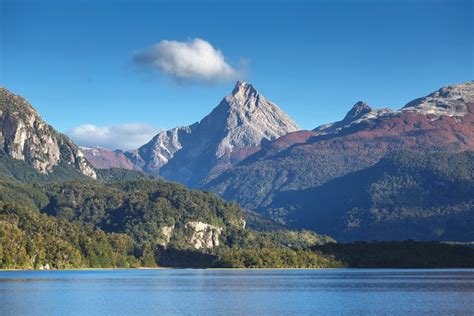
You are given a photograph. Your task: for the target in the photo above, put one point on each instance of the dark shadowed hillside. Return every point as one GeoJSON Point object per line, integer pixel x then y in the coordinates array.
{"type": "Point", "coordinates": [407, 195]}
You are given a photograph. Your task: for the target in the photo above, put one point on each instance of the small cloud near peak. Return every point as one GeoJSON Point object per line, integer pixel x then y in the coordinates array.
{"type": "Point", "coordinates": [195, 60]}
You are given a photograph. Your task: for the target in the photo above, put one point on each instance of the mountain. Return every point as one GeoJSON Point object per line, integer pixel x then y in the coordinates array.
{"type": "Point", "coordinates": [125, 219]}
{"type": "Point", "coordinates": [236, 128]}
{"type": "Point", "coordinates": [25, 137]}
{"type": "Point", "coordinates": [441, 121]}
{"type": "Point", "coordinates": [102, 158]}
{"type": "Point", "coordinates": [406, 195]}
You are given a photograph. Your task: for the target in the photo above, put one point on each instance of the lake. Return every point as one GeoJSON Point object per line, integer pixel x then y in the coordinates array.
{"type": "Point", "coordinates": [237, 292]}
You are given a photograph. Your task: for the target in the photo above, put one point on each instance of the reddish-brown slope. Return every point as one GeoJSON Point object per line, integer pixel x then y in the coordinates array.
{"type": "Point", "coordinates": [102, 158]}
{"type": "Point", "coordinates": [309, 158]}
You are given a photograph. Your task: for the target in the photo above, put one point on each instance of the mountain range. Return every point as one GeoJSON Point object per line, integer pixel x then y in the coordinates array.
{"type": "Point", "coordinates": [249, 151]}
{"type": "Point", "coordinates": [57, 211]}
{"type": "Point", "coordinates": [235, 129]}
{"type": "Point", "coordinates": [441, 121]}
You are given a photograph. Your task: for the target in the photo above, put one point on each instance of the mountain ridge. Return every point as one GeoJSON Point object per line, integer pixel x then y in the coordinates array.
{"type": "Point", "coordinates": [305, 159]}
{"type": "Point", "coordinates": [103, 158]}
{"type": "Point", "coordinates": [449, 101]}
{"type": "Point", "coordinates": [25, 136]}
{"type": "Point", "coordinates": [232, 131]}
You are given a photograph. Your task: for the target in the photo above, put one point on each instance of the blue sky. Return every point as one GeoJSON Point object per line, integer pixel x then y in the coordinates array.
{"type": "Point", "coordinates": [74, 60]}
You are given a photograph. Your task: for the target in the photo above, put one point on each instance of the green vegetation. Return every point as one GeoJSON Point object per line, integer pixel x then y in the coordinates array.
{"type": "Point", "coordinates": [407, 254]}
{"type": "Point", "coordinates": [120, 224]}
{"type": "Point", "coordinates": [140, 208]}
{"type": "Point", "coordinates": [407, 195]}
{"type": "Point", "coordinates": [23, 172]}
{"type": "Point", "coordinates": [28, 195]}
{"type": "Point", "coordinates": [256, 221]}
{"type": "Point", "coordinates": [30, 240]}
{"type": "Point", "coordinates": [249, 239]}
{"type": "Point", "coordinates": [256, 181]}
{"type": "Point", "coordinates": [277, 258]}
{"type": "Point", "coordinates": [118, 174]}
{"type": "Point", "coordinates": [145, 222]}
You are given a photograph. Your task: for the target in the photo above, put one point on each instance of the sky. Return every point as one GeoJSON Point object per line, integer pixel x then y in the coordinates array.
{"type": "Point", "coordinates": [112, 73]}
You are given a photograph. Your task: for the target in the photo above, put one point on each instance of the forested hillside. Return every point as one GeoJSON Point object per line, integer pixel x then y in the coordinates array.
{"type": "Point", "coordinates": [31, 240]}
{"type": "Point", "coordinates": [153, 223]}
{"type": "Point", "coordinates": [407, 195]}
{"type": "Point", "coordinates": [133, 223]}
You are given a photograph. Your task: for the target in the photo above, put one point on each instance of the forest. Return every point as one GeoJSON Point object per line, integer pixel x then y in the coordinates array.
{"type": "Point", "coordinates": [85, 223]}
{"type": "Point", "coordinates": [119, 224]}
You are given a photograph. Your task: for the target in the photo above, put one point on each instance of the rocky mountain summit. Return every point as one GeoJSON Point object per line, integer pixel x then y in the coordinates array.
{"type": "Point", "coordinates": [235, 129]}
{"type": "Point", "coordinates": [25, 136]}
{"type": "Point", "coordinates": [360, 111]}
{"type": "Point", "coordinates": [449, 101]}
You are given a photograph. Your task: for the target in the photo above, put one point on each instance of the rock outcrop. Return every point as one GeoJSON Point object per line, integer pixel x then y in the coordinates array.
{"type": "Point", "coordinates": [166, 233]}
{"type": "Point", "coordinates": [203, 235]}
{"type": "Point", "coordinates": [25, 136]}
{"type": "Point", "coordinates": [451, 101]}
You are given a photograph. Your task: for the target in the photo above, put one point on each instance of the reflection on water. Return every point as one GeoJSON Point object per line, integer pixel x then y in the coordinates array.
{"type": "Point", "coordinates": [241, 292]}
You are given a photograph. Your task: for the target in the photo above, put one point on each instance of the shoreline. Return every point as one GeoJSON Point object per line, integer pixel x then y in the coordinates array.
{"type": "Point", "coordinates": [236, 269]}
{"type": "Point", "coordinates": [89, 269]}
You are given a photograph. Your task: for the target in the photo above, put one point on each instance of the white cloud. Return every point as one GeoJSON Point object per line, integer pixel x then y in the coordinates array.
{"type": "Point", "coordinates": [124, 136]}
{"type": "Point", "coordinates": [195, 60]}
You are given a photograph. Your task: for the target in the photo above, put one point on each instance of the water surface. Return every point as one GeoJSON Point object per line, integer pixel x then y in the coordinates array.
{"type": "Point", "coordinates": [237, 292]}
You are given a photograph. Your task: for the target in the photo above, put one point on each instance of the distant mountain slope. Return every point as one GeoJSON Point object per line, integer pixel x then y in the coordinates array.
{"type": "Point", "coordinates": [442, 121]}
{"type": "Point", "coordinates": [407, 195]}
{"type": "Point", "coordinates": [24, 136]}
{"type": "Point", "coordinates": [231, 132]}
{"type": "Point", "coordinates": [102, 158]}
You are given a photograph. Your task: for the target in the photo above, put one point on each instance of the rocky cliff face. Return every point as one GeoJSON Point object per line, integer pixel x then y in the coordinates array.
{"type": "Point", "coordinates": [203, 235]}
{"type": "Point", "coordinates": [441, 121]}
{"type": "Point", "coordinates": [25, 136]}
{"type": "Point", "coordinates": [157, 152]}
{"type": "Point", "coordinates": [235, 129]}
